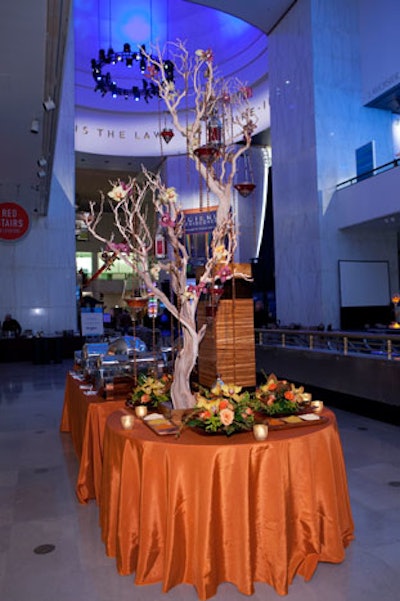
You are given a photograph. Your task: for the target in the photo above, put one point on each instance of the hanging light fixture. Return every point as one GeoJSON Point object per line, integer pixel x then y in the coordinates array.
{"type": "Point", "coordinates": [106, 84]}
{"type": "Point", "coordinates": [207, 154]}
{"type": "Point", "coordinates": [246, 187]}
{"type": "Point", "coordinates": [210, 151]}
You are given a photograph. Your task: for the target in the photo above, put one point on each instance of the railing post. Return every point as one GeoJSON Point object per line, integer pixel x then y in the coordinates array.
{"type": "Point", "coordinates": [311, 342]}
{"type": "Point", "coordinates": [283, 340]}
{"type": "Point", "coordinates": [345, 345]}
{"type": "Point", "coordinates": [389, 349]}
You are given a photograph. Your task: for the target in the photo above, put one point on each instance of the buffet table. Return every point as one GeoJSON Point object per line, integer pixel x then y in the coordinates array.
{"type": "Point", "coordinates": [210, 509]}
{"type": "Point", "coordinates": [84, 416]}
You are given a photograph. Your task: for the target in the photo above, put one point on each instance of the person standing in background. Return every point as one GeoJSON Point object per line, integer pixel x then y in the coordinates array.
{"type": "Point", "coordinates": [11, 326]}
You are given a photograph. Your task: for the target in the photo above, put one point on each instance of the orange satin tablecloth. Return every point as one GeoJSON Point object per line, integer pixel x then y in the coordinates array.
{"type": "Point", "coordinates": [206, 510]}
{"type": "Point", "coordinates": [84, 417]}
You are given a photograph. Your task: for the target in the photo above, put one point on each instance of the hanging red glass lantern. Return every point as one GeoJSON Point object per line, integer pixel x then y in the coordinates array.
{"type": "Point", "coordinates": [245, 188]}
{"type": "Point", "coordinates": [206, 154]}
{"type": "Point", "coordinates": [167, 134]}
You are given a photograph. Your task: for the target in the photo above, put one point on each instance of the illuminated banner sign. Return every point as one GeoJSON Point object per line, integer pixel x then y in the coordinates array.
{"type": "Point", "coordinates": [199, 221]}
{"type": "Point", "coordinates": [122, 134]}
{"type": "Point", "coordinates": [14, 221]}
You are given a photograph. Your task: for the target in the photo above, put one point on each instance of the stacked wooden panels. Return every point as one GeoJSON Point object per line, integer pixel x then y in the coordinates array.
{"type": "Point", "coordinates": [228, 347]}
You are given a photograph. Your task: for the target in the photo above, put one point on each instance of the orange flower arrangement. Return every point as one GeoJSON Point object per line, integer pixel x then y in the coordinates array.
{"type": "Point", "coordinates": [151, 391]}
{"type": "Point", "coordinates": [223, 409]}
{"type": "Point", "coordinates": [278, 396]}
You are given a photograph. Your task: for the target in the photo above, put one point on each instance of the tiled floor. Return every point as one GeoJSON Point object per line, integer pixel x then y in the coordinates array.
{"type": "Point", "coordinates": [38, 469]}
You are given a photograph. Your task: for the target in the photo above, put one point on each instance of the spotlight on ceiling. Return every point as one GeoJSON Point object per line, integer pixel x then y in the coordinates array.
{"type": "Point", "coordinates": [35, 126]}
{"type": "Point", "coordinates": [136, 93]}
{"type": "Point", "coordinates": [49, 104]}
{"type": "Point", "coordinates": [42, 162]}
{"type": "Point", "coordinates": [41, 173]}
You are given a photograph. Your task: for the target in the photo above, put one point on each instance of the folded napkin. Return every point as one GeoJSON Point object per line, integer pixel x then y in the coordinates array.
{"type": "Point", "coordinates": [152, 416]}
{"type": "Point", "coordinates": [310, 417]}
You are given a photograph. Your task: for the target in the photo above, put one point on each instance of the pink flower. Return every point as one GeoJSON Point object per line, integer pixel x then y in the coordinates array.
{"type": "Point", "coordinates": [224, 273]}
{"type": "Point", "coordinates": [201, 287]}
{"type": "Point", "coordinates": [247, 91]}
{"type": "Point", "coordinates": [166, 220]}
{"type": "Point", "coordinates": [226, 417]}
{"type": "Point", "coordinates": [151, 71]}
{"type": "Point", "coordinates": [206, 55]}
{"type": "Point", "coordinates": [120, 247]}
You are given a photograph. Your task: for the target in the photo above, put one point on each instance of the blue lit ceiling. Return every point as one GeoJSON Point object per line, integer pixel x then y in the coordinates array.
{"type": "Point", "coordinates": [240, 49]}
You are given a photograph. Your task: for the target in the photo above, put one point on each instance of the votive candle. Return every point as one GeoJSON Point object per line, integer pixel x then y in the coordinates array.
{"type": "Point", "coordinates": [127, 421]}
{"type": "Point", "coordinates": [260, 431]}
{"type": "Point", "coordinates": [317, 405]}
{"type": "Point", "coordinates": [141, 411]}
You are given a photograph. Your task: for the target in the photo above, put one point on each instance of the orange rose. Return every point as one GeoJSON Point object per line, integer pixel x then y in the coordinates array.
{"type": "Point", "coordinates": [145, 398]}
{"type": "Point", "coordinates": [205, 415]}
{"type": "Point", "coordinates": [223, 405]}
{"type": "Point", "coordinates": [272, 386]}
{"type": "Point", "coordinates": [289, 396]}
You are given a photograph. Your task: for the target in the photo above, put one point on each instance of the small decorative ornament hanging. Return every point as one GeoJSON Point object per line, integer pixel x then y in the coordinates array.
{"type": "Point", "coordinates": [167, 134]}
{"type": "Point", "coordinates": [245, 188]}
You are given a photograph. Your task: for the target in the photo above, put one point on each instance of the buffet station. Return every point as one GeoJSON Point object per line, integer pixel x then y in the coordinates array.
{"type": "Point", "coordinates": [112, 367]}
{"type": "Point", "coordinates": [266, 493]}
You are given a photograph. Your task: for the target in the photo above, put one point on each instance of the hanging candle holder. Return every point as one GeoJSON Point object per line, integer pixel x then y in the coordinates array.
{"type": "Point", "coordinates": [207, 154]}
{"type": "Point", "coordinates": [160, 247]}
{"type": "Point", "coordinates": [246, 187]}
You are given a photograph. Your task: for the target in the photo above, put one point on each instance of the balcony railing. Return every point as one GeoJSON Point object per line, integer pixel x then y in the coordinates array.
{"type": "Point", "coordinates": [367, 174]}
{"type": "Point", "coordinates": [380, 346]}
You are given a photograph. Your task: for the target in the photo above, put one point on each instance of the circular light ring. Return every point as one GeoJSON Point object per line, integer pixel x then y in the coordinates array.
{"type": "Point", "coordinates": [106, 84]}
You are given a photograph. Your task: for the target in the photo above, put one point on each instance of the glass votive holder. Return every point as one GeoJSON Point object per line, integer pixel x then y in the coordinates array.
{"type": "Point", "coordinates": [317, 406]}
{"type": "Point", "coordinates": [141, 411]}
{"type": "Point", "coordinates": [127, 421]}
{"type": "Point", "coordinates": [260, 431]}
{"type": "Point", "coordinates": [306, 397]}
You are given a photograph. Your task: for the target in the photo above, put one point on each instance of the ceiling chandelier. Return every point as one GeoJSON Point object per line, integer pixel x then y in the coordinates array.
{"type": "Point", "coordinates": [107, 66]}
{"type": "Point", "coordinates": [105, 83]}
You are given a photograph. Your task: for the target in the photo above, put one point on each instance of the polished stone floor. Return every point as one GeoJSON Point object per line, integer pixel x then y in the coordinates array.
{"type": "Point", "coordinates": [50, 546]}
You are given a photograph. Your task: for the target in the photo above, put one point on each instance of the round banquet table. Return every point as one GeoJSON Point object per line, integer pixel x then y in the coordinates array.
{"type": "Point", "coordinates": [204, 510]}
